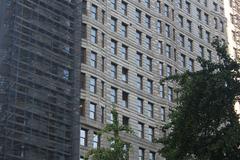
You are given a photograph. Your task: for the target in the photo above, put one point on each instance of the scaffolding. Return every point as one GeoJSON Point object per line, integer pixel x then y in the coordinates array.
{"type": "Point", "coordinates": [236, 14]}
{"type": "Point", "coordinates": [38, 89]}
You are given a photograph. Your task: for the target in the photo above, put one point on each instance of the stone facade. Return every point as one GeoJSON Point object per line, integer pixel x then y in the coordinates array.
{"type": "Point", "coordinates": [232, 13]}
{"type": "Point", "coordinates": [127, 47]}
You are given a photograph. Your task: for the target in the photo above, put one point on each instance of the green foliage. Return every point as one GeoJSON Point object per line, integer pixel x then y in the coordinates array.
{"type": "Point", "coordinates": [204, 125]}
{"type": "Point", "coordinates": [119, 150]}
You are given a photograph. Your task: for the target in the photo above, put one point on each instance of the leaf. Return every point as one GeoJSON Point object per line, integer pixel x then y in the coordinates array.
{"type": "Point", "coordinates": [204, 125]}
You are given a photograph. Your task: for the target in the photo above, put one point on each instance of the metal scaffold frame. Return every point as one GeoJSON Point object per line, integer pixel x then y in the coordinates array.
{"type": "Point", "coordinates": [39, 87]}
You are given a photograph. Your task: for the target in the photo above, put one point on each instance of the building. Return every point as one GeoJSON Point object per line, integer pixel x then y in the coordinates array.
{"type": "Point", "coordinates": [38, 75]}
{"type": "Point", "coordinates": [127, 47]}
{"type": "Point", "coordinates": [232, 13]}
{"type": "Point", "coordinates": [59, 57]}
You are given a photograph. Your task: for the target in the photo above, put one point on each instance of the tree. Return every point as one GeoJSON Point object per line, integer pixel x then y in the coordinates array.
{"type": "Point", "coordinates": [119, 150]}
{"type": "Point", "coordinates": [204, 125]}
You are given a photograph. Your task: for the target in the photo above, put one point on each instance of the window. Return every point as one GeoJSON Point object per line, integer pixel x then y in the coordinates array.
{"type": "Point", "coordinates": [222, 26]}
{"type": "Point", "coordinates": [235, 50]}
{"type": "Point", "coordinates": [174, 33]}
{"type": "Point", "coordinates": [102, 114]}
{"type": "Point", "coordinates": [139, 37]}
{"type": "Point", "coordinates": [140, 131]}
{"type": "Point", "coordinates": [92, 111]}
{"type": "Point", "coordinates": [125, 99]}
{"type": "Point", "coordinates": [158, 6]}
{"type": "Point", "coordinates": [148, 42]}
{"type": "Point", "coordinates": [83, 56]}
{"type": "Point", "coordinates": [232, 18]}
{"type": "Point", "coordinates": [93, 84]}
{"type": "Point", "coordinates": [150, 110]}
{"type": "Point", "coordinates": [148, 21]}
{"type": "Point", "coordinates": [159, 26]}
{"type": "Point", "coordinates": [215, 23]}
{"type": "Point", "coordinates": [179, 4]}
{"type": "Point", "coordinates": [147, 3]}
{"type": "Point", "coordinates": [139, 59]}
{"type": "Point", "coordinates": [141, 154]}
{"type": "Point", "coordinates": [175, 54]}
{"type": "Point", "coordinates": [209, 55]}
{"type": "Point", "coordinates": [160, 47]}
{"type": "Point", "coordinates": [221, 10]}
{"type": "Point", "coordinates": [103, 16]}
{"type": "Point", "coordinates": [113, 24]}
{"type": "Point", "coordinates": [110, 118]}
{"type": "Point", "coordinates": [94, 12]}
{"type": "Point", "coordinates": [200, 31]}
{"type": "Point", "coordinates": [114, 71]}
{"type": "Point", "coordinates": [94, 35]}
{"type": "Point", "coordinates": [84, 7]}
{"type": "Point", "coordinates": [191, 65]}
{"type": "Point", "coordinates": [180, 18]}
{"type": "Point", "coordinates": [114, 4]}
{"type": "Point", "coordinates": [138, 16]}
{"type": "Point", "coordinates": [231, 3]}
{"type": "Point", "coordinates": [162, 114]}
{"type": "Point", "coordinates": [170, 94]}
{"type": "Point", "coordinates": [167, 30]}
{"type": "Point", "coordinates": [182, 42]}
{"type": "Point", "coordinates": [149, 86]}
{"type": "Point", "coordinates": [125, 121]}
{"type": "Point", "coordinates": [150, 134]}
{"type": "Point", "coordinates": [96, 140]}
{"type": "Point", "coordinates": [140, 105]}
{"type": "Point", "coordinates": [161, 90]}
{"type": "Point", "coordinates": [161, 71]}
{"type": "Point", "coordinates": [83, 81]}
{"type": "Point", "coordinates": [124, 74]}
{"type": "Point", "coordinates": [173, 15]}
{"type": "Point", "coordinates": [124, 30]}
{"type": "Point", "coordinates": [208, 37]}
{"type": "Point", "coordinates": [103, 64]}
{"type": "Point", "coordinates": [102, 88]}
{"type": "Point", "coordinates": [103, 40]}
{"type": "Point", "coordinates": [113, 95]}
{"type": "Point", "coordinates": [84, 31]}
{"type": "Point", "coordinates": [139, 82]}
{"type": "Point", "coordinates": [206, 18]}
{"type": "Point", "coordinates": [215, 6]}
{"type": "Point", "coordinates": [201, 48]}
{"type": "Point", "coordinates": [113, 47]}
{"type": "Point", "coordinates": [189, 25]}
{"type": "Point", "coordinates": [168, 50]}
{"type": "Point", "coordinates": [188, 7]}
{"type": "Point", "coordinates": [93, 59]}
{"type": "Point", "coordinates": [149, 63]}
{"type": "Point", "coordinates": [169, 70]}
{"type": "Point", "coordinates": [124, 8]}
{"type": "Point", "coordinates": [83, 137]}
{"type": "Point", "coordinates": [183, 60]}
{"type": "Point", "coordinates": [152, 155]}
{"type": "Point", "coordinates": [166, 10]}
{"type": "Point", "coordinates": [124, 52]}
{"type": "Point", "coordinates": [190, 45]}
{"type": "Point", "coordinates": [82, 107]}
{"type": "Point", "coordinates": [66, 74]}
{"type": "Point", "coordinates": [199, 14]}
{"type": "Point", "coordinates": [234, 36]}
{"type": "Point", "coordinates": [206, 3]}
